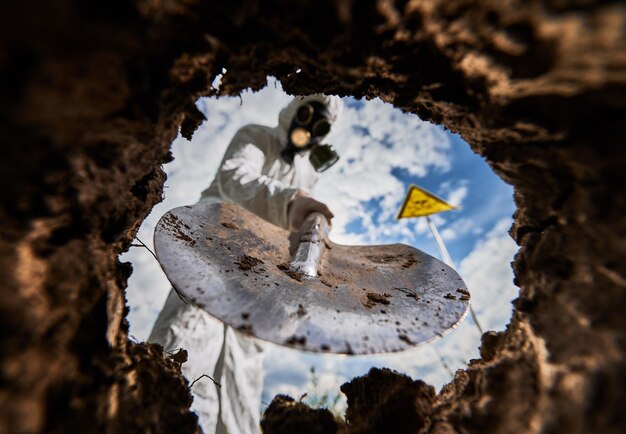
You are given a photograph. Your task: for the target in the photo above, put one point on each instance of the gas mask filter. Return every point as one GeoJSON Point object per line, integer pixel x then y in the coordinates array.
{"type": "Point", "coordinates": [323, 156]}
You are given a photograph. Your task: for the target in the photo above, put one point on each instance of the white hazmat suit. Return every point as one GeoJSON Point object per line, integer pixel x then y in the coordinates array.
{"type": "Point", "coordinates": [254, 175]}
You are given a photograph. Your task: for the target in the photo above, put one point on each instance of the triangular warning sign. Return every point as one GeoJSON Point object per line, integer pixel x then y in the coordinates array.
{"type": "Point", "coordinates": [419, 202]}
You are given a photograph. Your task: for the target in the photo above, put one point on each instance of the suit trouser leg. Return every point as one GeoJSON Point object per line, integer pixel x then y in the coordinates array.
{"type": "Point", "coordinates": [232, 359]}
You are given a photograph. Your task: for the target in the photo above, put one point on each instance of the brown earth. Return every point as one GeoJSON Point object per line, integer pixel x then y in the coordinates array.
{"type": "Point", "coordinates": [93, 93]}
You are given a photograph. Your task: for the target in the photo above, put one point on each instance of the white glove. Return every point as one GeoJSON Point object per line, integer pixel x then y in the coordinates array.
{"type": "Point", "coordinates": [301, 206]}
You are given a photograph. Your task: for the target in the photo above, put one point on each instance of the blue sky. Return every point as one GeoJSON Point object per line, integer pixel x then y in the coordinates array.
{"type": "Point", "coordinates": [382, 152]}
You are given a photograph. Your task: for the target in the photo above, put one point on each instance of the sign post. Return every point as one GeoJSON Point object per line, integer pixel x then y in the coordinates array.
{"type": "Point", "coordinates": [422, 203]}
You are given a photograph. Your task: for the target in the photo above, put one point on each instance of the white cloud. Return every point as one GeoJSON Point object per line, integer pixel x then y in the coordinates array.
{"type": "Point", "coordinates": [488, 274]}
{"type": "Point", "coordinates": [147, 290]}
{"type": "Point", "coordinates": [458, 228]}
{"type": "Point", "coordinates": [375, 140]}
{"type": "Point", "coordinates": [457, 196]}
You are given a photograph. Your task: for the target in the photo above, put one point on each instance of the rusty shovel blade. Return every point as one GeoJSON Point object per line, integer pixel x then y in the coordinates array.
{"type": "Point", "coordinates": [365, 299]}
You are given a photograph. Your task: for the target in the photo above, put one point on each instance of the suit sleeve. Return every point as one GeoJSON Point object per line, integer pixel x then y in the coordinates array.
{"type": "Point", "coordinates": [240, 180]}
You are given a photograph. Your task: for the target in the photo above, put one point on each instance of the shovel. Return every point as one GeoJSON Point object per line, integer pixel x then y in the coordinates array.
{"type": "Point", "coordinates": [301, 290]}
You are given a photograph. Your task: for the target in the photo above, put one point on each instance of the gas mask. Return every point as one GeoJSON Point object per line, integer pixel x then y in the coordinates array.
{"type": "Point", "coordinates": [310, 124]}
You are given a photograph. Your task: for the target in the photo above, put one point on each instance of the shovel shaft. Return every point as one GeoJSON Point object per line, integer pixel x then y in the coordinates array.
{"type": "Point", "coordinates": [311, 244]}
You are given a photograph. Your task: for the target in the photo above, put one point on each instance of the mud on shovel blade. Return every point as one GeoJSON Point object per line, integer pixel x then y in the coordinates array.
{"type": "Point", "coordinates": [359, 300]}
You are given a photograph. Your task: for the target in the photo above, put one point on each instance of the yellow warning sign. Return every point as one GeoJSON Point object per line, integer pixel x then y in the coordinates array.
{"type": "Point", "coordinates": [419, 203]}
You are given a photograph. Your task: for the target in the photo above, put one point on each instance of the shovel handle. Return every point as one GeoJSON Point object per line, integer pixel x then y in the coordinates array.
{"type": "Point", "coordinates": [311, 243]}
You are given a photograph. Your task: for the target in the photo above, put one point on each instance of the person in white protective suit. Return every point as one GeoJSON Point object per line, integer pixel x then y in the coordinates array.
{"type": "Point", "coordinates": [269, 171]}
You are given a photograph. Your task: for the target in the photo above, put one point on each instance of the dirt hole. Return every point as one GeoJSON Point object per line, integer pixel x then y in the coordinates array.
{"type": "Point", "coordinates": [382, 151]}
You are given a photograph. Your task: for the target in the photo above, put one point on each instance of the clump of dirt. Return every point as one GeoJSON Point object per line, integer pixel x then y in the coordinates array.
{"type": "Point", "coordinates": [383, 259]}
{"type": "Point", "coordinates": [407, 292]}
{"type": "Point", "coordinates": [326, 283]}
{"type": "Point", "coordinates": [246, 329]}
{"type": "Point", "coordinates": [180, 356]}
{"type": "Point", "coordinates": [380, 402]}
{"type": "Point", "coordinates": [285, 415]}
{"type": "Point", "coordinates": [301, 311]}
{"type": "Point", "coordinates": [409, 261]}
{"type": "Point", "coordinates": [230, 225]}
{"type": "Point", "coordinates": [296, 340]}
{"type": "Point", "coordinates": [295, 275]}
{"type": "Point", "coordinates": [149, 373]}
{"type": "Point", "coordinates": [465, 295]}
{"type": "Point", "coordinates": [383, 399]}
{"type": "Point", "coordinates": [406, 339]}
{"type": "Point", "coordinates": [373, 298]}
{"type": "Point", "coordinates": [247, 262]}
{"type": "Point", "coordinates": [186, 238]}
{"type": "Point", "coordinates": [175, 223]}
{"type": "Point", "coordinates": [404, 260]}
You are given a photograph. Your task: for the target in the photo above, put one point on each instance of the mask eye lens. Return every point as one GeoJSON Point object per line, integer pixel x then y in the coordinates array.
{"type": "Point", "coordinates": [304, 114]}
{"type": "Point", "coordinates": [321, 128]}
{"type": "Point", "coordinates": [300, 137]}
